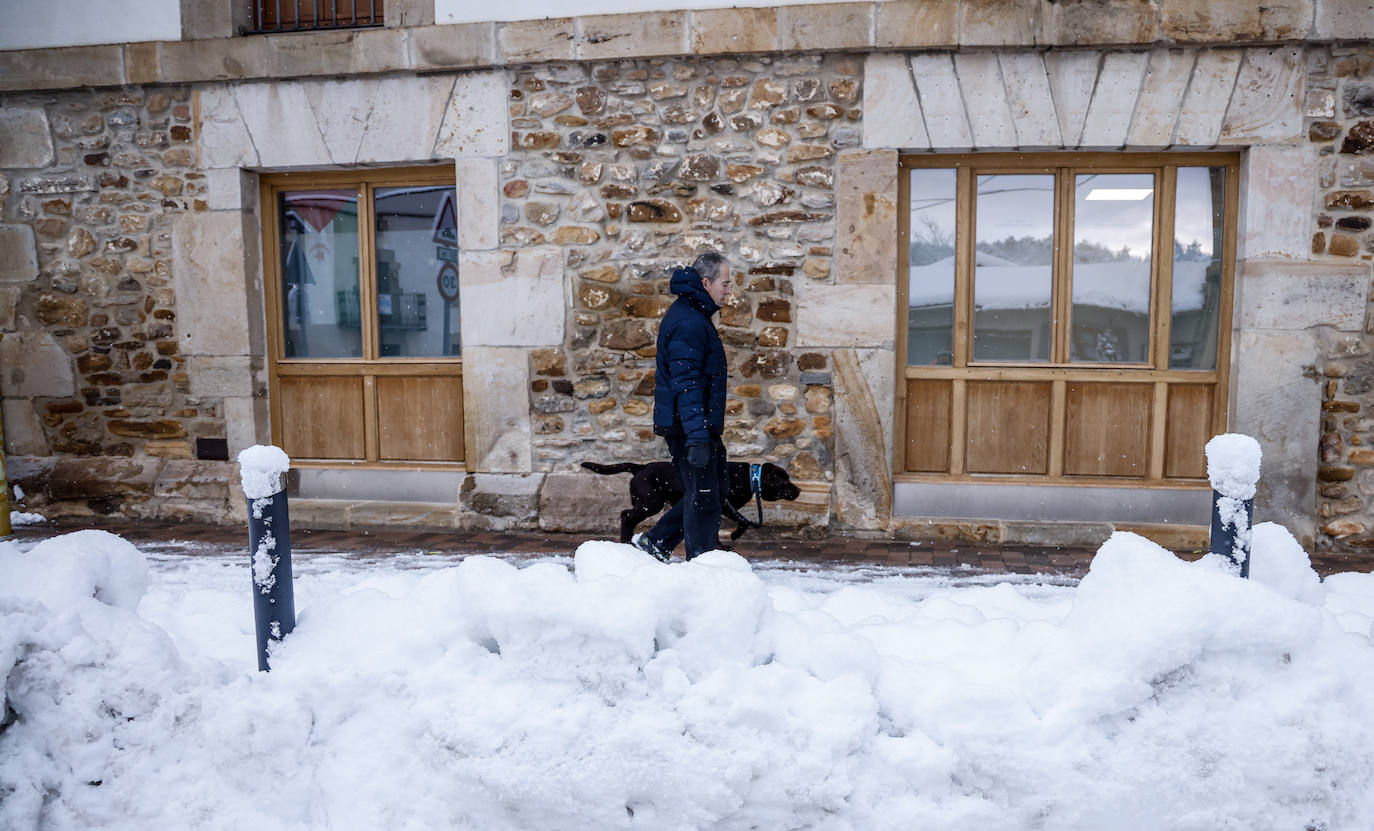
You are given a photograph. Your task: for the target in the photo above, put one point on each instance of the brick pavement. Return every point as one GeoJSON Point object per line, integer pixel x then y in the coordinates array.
{"type": "Point", "coordinates": [985, 557]}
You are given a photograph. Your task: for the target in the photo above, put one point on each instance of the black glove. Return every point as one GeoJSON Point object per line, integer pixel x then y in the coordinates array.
{"type": "Point", "coordinates": [698, 455]}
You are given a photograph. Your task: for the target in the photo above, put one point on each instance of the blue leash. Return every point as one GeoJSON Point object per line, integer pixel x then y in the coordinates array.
{"type": "Point", "coordinates": [756, 488]}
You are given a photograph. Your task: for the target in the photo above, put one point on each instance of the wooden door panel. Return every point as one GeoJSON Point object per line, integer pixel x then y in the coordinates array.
{"type": "Point", "coordinates": [420, 419]}
{"type": "Point", "coordinates": [927, 425]}
{"type": "Point", "coordinates": [322, 417]}
{"type": "Point", "coordinates": [1188, 427]}
{"type": "Point", "coordinates": [1107, 429]}
{"type": "Point", "coordinates": [1008, 427]}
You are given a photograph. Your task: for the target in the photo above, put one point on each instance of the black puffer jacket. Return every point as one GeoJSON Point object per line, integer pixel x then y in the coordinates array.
{"type": "Point", "coordinates": [689, 388]}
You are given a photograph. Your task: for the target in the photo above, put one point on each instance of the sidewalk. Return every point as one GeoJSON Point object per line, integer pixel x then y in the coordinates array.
{"type": "Point", "coordinates": [984, 557]}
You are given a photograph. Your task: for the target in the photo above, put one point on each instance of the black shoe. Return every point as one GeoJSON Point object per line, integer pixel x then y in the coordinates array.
{"type": "Point", "coordinates": [643, 543]}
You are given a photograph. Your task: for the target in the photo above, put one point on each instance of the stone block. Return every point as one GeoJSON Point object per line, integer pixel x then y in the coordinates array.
{"type": "Point", "coordinates": [1172, 537]}
{"type": "Point", "coordinates": [281, 122]}
{"type": "Point", "coordinates": [9, 300]}
{"type": "Point", "coordinates": [96, 477]}
{"type": "Point", "coordinates": [453, 46]}
{"type": "Point", "coordinates": [845, 315]}
{"type": "Point", "coordinates": [1277, 194]}
{"type": "Point", "coordinates": [513, 298]}
{"type": "Point", "coordinates": [582, 503]}
{"type": "Point", "coordinates": [1114, 97]}
{"type": "Point", "coordinates": [323, 514]}
{"type": "Point", "coordinates": [1057, 534]}
{"type": "Point", "coordinates": [1204, 106]}
{"type": "Point", "coordinates": [230, 189]}
{"type": "Point", "coordinates": [1072, 77]}
{"type": "Point", "coordinates": [825, 26]}
{"type": "Point", "coordinates": [245, 423]}
{"type": "Point", "coordinates": [208, 265]}
{"type": "Point", "coordinates": [1293, 296]}
{"type": "Point", "coordinates": [479, 205]}
{"type": "Point", "coordinates": [1030, 101]}
{"type": "Point", "coordinates": [63, 68]}
{"type": "Point", "coordinates": [879, 367]}
{"type": "Point", "coordinates": [734, 31]}
{"type": "Point", "coordinates": [985, 96]}
{"type": "Point", "coordinates": [477, 120]}
{"type": "Point", "coordinates": [24, 434]}
{"type": "Point", "coordinates": [31, 473]}
{"type": "Point", "coordinates": [415, 13]}
{"type": "Point", "coordinates": [1275, 401]}
{"type": "Point", "coordinates": [222, 140]}
{"type": "Point", "coordinates": [941, 102]}
{"type": "Point", "coordinates": [1223, 21]}
{"type": "Point", "coordinates": [1266, 105]}
{"type": "Point", "coordinates": [34, 365]}
{"type": "Point", "coordinates": [194, 479]}
{"type": "Point", "coordinates": [923, 24]}
{"type": "Point", "coordinates": [999, 22]}
{"type": "Point", "coordinates": [220, 376]}
{"type": "Point", "coordinates": [1341, 19]}
{"type": "Point", "coordinates": [500, 502]}
{"type": "Point", "coordinates": [18, 256]}
{"type": "Point", "coordinates": [534, 41]}
{"type": "Point", "coordinates": [889, 88]}
{"type": "Point", "coordinates": [341, 110]}
{"type": "Point", "coordinates": [1099, 22]}
{"type": "Point", "coordinates": [420, 516]}
{"type": "Point", "coordinates": [863, 474]}
{"type": "Point", "coordinates": [25, 137]}
{"type": "Point", "coordinates": [142, 63]}
{"type": "Point", "coordinates": [496, 409]}
{"type": "Point", "coordinates": [612, 36]}
{"type": "Point", "coordinates": [287, 55]}
{"type": "Point", "coordinates": [406, 117]}
{"type": "Point", "coordinates": [1156, 112]}
{"type": "Point", "coordinates": [866, 216]}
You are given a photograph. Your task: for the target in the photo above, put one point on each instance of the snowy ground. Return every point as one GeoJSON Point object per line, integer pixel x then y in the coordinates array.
{"type": "Point", "coordinates": [606, 690]}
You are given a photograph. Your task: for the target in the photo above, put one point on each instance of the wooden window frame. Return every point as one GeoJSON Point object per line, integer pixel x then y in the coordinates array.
{"type": "Point", "coordinates": [1059, 373]}
{"type": "Point", "coordinates": [371, 367]}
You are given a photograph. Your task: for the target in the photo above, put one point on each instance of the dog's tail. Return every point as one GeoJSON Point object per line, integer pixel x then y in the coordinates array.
{"type": "Point", "coordinates": [607, 470]}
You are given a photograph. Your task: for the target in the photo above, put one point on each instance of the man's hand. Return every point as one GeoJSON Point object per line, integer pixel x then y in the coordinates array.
{"type": "Point", "coordinates": [698, 455]}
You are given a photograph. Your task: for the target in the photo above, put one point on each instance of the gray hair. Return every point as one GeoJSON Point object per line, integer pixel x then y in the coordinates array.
{"type": "Point", "coordinates": [709, 265]}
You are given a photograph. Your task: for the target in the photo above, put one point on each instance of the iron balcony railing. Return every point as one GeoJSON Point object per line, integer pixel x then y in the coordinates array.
{"type": "Point", "coordinates": [314, 15]}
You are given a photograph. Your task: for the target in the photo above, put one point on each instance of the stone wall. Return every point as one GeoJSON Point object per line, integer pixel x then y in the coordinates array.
{"type": "Point", "coordinates": [91, 362]}
{"type": "Point", "coordinates": [1340, 128]}
{"type": "Point", "coordinates": [633, 168]}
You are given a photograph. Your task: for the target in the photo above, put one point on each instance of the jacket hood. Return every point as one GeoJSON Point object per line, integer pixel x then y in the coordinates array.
{"type": "Point", "coordinates": [687, 283]}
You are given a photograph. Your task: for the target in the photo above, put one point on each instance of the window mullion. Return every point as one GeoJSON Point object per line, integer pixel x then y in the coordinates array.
{"type": "Point", "coordinates": [367, 272]}
{"type": "Point", "coordinates": [963, 266]}
{"type": "Point", "coordinates": [1165, 198]}
{"type": "Point", "coordinates": [1062, 282]}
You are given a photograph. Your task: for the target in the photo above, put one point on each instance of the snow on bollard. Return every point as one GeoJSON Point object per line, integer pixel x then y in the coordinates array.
{"type": "Point", "coordinates": [262, 468]}
{"type": "Point", "coordinates": [1233, 468]}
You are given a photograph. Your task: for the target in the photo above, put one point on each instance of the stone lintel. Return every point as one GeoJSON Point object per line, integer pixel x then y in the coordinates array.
{"type": "Point", "coordinates": [734, 31]}
{"type": "Point", "coordinates": [454, 46]}
{"type": "Point", "coordinates": [287, 55]}
{"type": "Point", "coordinates": [1235, 21]}
{"type": "Point", "coordinates": [932, 24]}
{"type": "Point", "coordinates": [535, 41]}
{"type": "Point", "coordinates": [1099, 23]}
{"type": "Point", "coordinates": [825, 26]}
{"type": "Point", "coordinates": [62, 68]}
{"type": "Point", "coordinates": [142, 63]}
{"type": "Point", "coordinates": [640, 34]}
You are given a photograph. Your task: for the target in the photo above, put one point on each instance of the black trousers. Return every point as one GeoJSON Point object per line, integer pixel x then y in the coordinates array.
{"type": "Point", "coordinates": [695, 518]}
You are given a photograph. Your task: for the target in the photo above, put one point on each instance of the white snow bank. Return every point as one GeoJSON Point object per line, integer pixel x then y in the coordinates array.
{"type": "Point", "coordinates": [26, 518]}
{"type": "Point", "coordinates": [261, 467]}
{"type": "Point", "coordinates": [624, 693]}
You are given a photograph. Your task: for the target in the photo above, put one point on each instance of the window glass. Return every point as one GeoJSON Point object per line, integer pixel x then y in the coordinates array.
{"type": "Point", "coordinates": [1199, 224]}
{"type": "Point", "coordinates": [1014, 242]}
{"type": "Point", "coordinates": [417, 272]}
{"type": "Point", "coordinates": [319, 267]}
{"type": "Point", "coordinates": [930, 294]}
{"type": "Point", "coordinates": [1113, 235]}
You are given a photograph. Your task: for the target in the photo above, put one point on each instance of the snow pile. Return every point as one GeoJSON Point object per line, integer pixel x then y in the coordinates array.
{"type": "Point", "coordinates": [1233, 465]}
{"type": "Point", "coordinates": [26, 518]}
{"type": "Point", "coordinates": [261, 467]}
{"type": "Point", "coordinates": [624, 693]}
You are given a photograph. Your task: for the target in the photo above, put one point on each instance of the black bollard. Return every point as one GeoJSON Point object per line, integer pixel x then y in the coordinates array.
{"type": "Point", "coordinates": [269, 551]}
{"type": "Point", "coordinates": [1227, 537]}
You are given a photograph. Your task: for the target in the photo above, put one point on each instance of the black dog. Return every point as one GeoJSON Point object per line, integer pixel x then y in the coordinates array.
{"type": "Point", "coordinates": [656, 485]}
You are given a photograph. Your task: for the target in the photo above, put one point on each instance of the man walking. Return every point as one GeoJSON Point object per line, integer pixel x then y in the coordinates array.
{"type": "Point", "coordinates": [689, 407]}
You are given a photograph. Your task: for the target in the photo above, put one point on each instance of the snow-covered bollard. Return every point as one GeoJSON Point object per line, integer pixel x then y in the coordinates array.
{"type": "Point", "coordinates": [1233, 468]}
{"type": "Point", "coordinates": [262, 468]}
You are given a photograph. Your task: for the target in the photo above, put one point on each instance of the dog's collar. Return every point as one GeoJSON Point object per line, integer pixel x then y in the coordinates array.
{"type": "Point", "coordinates": [756, 479]}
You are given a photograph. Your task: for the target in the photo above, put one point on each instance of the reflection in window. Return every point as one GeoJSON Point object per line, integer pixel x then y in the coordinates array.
{"type": "Point", "coordinates": [1113, 233]}
{"type": "Point", "coordinates": [319, 267]}
{"type": "Point", "coordinates": [417, 272]}
{"type": "Point", "coordinates": [1014, 242]}
{"type": "Point", "coordinates": [1199, 223]}
{"type": "Point", "coordinates": [930, 295]}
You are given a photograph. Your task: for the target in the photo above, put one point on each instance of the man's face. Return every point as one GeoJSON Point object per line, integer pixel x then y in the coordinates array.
{"type": "Point", "coordinates": [720, 289]}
